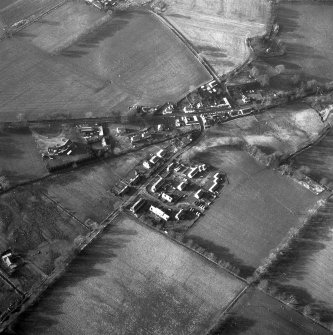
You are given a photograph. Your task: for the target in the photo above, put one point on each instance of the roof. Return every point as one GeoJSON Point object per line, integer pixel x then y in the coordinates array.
{"type": "Point", "coordinates": [159, 213]}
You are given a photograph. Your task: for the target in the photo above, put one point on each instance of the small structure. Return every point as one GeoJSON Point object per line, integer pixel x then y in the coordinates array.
{"type": "Point", "coordinates": [136, 138]}
{"type": "Point", "coordinates": [199, 193]}
{"type": "Point", "coordinates": [167, 108]}
{"type": "Point", "coordinates": [193, 172]}
{"type": "Point", "coordinates": [92, 134]}
{"type": "Point", "coordinates": [182, 185]}
{"type": "Point", "coordinates": [60, 149]}
{"type": "Point", "coordinates": [121, 189]}
{"type": "Point", "coordinates": [160, 127]}
{"type": "Point", "coordinates": [135, 179]}
{"type": "Point", "coordinates": [167, 197]}
{"type": "Point", "coordinates": [121, 131]}
{"type": "Point", "coordinates": [159, 213]}
{"type": "Point", "coordinates": [214, 187]}
{"type": "Point", "coordinates": [8, 261]}
{"type": "Point", "coordinates": [186, 110]}
{"type": "Point", "coordinates": [178, 215]}
{"type": "Point", "coordinates": [170, 166]}
{"type": "Point", "coordinates": [154, 160]}
{"type": "Point", "coordinates": [157, 185]}
{"type": "Point", "coordinates": [138, 205]}
{"type": "Point", "coordinates": [146, 165]}
{"type": "Point", "coordinates": [191, 120]}
{"type": "Point", "coordinates": [202, 167]}
{"type": "Point", "coordinates": [161, 153]}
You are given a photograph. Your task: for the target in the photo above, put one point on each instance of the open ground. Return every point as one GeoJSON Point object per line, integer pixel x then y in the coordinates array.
{"type": "Point", "coordinates": [91, 78]}
{"type": "Point", "coordinates": [253, 212]}
{"type": "Point", "coordinates": [218, 29]}
{"type": "Point", "coordinates": [133, 280]}
{"type": "Point", "coordinates": [256, 313]}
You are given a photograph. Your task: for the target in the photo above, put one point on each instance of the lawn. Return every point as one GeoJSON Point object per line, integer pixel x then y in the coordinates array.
{"type": "Point", "coordinates": [133, 280]}
{"type": "Point", "coordinates": [20, 159]}
{"type": "Point", "coordinates": [305, 31]}
{"type": "Point", "coordinates": [253, 213]}
{"type": "Point", "coordinates": [256, 313]}
{"type": "Point", "coordinates": [148, 66]}
{"type": "Point", "coordinates": [218, 29]}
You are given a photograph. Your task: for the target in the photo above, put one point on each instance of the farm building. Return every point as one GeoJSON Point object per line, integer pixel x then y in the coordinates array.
{"type": "Point", "coordinates": [182, 185]}
{"type": "Point", "coordinates": [161, 153]}
{"type": "Point", "coordinates": [193, 172]}
{"type": "Point", "coordinates": [214, 187]}
{"type": "Point", "coordinates": [159, 213]}
{"type": "Point", "coordinates": [167, 197]}
{"type": "Point", "coordinates": [170, 166]}
{"type": "Point", "coordinates": [157, 185]}
{"type": "Point", "coordinates": [138, 205]}
{"type": "Point", "coordinates": [8, 261]}
{"type": "Point", "coordinates": [178, 215]}
{"type": "Point", "coordinates": [191, 120]}
{"type": "Point", "coordinates": [154, 160]}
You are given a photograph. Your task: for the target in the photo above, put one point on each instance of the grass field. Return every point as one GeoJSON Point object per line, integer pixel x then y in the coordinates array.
{"type": "Point", "coordinates": [36, 228]}
{"type": "Point", "coordinates": [253, 213]}
{"type": "Point", "coordinates": [218, 29]}
{"type": "Point", "coordinates": [13, 11]}
{"type": "Point", "coordinates": [305, 30]}
{"type": "Point", "coordinates": [7, 296]}
{"type": "Point", "coordinates": [306, 270]}
{"type": "Point", "coordinates": [19, 158]}
{"type": "Point", "coordinates": [133, 281]}
{"type": "Point", "coordinates": [92, 77]}
{"type": "Point", "coordinates": [256, 313]}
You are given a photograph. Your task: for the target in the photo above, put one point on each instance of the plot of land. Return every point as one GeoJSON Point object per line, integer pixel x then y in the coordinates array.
{"type": "Point", "coordinates": [148, 66]}
{"type": "Point", "coordinates": [19, 158]}
{"type": "Point", "coordinates": [13, 11]}
{"type": "Point", "coordinates": [218, 29]}
{"type": "Point", "coordinates": [133, 281]}
{"type": "Point", "coordinates": [307, 267]}
{"type": "Point", "coordinates": [8, 296]}
{"type": "Point", "coordinates": [253, 213]}
{"type": "Point", "coordinates": [305, 30]}
{"type": "Point", "coordinates": [256, 313]}
{"type": "Point", "coordinates": [36, 228]}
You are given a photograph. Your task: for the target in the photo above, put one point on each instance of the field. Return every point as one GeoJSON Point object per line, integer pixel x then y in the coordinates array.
{"type": "Point", "coordinates": [254, 211]}
{"type": "Point", "coordinates": [256, 313]}
{"type": "Point", "coordinates": [283, 130]}
{"type": "Point", "coordinates": [37, 229]}
{"type": "Point", "coordinates": [92, 78]}
{"type": "Point", "coordinates": [306, 270]}
{"type": "Point", "coordinates": [13, 11]}
{"type": "Point", "coordinates": [305, 31]}
{"type": "Point", "coordinates": [318, 160]}
{"type": "Point", "coordinates": [218, 29]}
{"type": "Point", "coordinates": [7, 296]}
{"type": "Point", "coordinates": [133, 280]}
{"type": "Point", "coordinates": [19, 158]}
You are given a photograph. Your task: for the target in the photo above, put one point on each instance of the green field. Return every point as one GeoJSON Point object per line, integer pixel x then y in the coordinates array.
{"type": "Point", "coordinates": [133, 280]}
{"type": "Point", "coordinates": [256, 313]}
{"type": "Point", "coordinates": [253, 212]}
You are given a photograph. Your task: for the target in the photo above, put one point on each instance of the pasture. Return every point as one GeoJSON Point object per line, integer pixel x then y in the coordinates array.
{"type": "Point", "coordinates": [256, 313]}
{"type": "Point", "coordinates": [306, 269]}
{"type": "Point", "coordinates": [218, 29]}
{"type": "Point", "coordinates": [133, 280]}
{"type": "Point", "coordinates": [254, 211]}
{"type": "Point", "coordinates": [148, 66]}
{"type": "Point", "coordinates": [305, 28]}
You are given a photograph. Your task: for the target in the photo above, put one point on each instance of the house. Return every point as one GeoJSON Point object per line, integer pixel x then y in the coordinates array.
{"type": "Point", "coordinates": [146, 165]}
{"type": "Point", "coordinates": [167, 197]}
{"type": "Point", "coordinates": [8, 261]}
{"type": "Point", "coordinates": [157, 185]}
{"type": "Point", "coordinates": [178, 215]}
{"type": "Point", "coordinates": [191, 120]}
{"type": "Point", "coordinates": [170, 166]}
{"type": "Point", "coordinates": [160, 127]}
{"type": "Point", "coordinates": [182, 185]}
{"type": "Point", "coordinates": [161, 153]}
{"type": "Point", "coordinates": [199, 193]}
{"type": "Point", "coordinates": [213, 188]}
{"type": "Point", "coordinates": [167, 108]}
{"type": "Point", "coordinates": [193, 172]}
{"type": "Point", "coordinates": [136, 138]}
{"type": "Point", "coordinates": [92, 134]}
{"type": "Point", "coordinates": [186, 110]}
{"type": "Point", "coordinates": [121, 131]}
{"type": "Point", "coordinates": [138, 205]}
{"type": "Point", "coordinates": [159, 213]}
{"type": "Point", "coordinates": [154, 160]}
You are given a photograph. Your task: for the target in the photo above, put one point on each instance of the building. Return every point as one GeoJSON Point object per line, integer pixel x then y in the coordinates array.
{"type": "Point", "coordinates": [60, 149]}
{"type": "Point", "coordinates": [170, 166]}
{"type": "Point", "coordinates": [178, 215]}
{"type": "Point", "coordinates": [138, 205]}
{"type": "Point", "coordinates": [167, 197]}
{"type": "Point", "coordinates": [191, 120]}
{"type": "Point", "coordinates": [154, 160]}
{"type": "Point", "coordinates": [159, 213]}
{"type": "Point", "coordinates": [182, 185]}
{"type": "Point", "coordinates": [146, 165]}
{"type": "Point", "coordinates": [214, 187]}
{"type": "Point", "coordinates": [157, 185]}
{"type": "Point", "coordinates": [160, 127]}
{"type": "Point", "coordinates": [186, 110]}
{"type": "Point", "coordinates": [161, 153]}
{"type": "Point", "coordinates": [8, 261]}
{"type": "Point", "coordinates": [199, 193]}
{"type": "Point", "coordinates": [193, 172]}
{"type": "Point", "coordinates": [135, 179]}
{"type": "Point", "coordinates": [121, 131]}
{"type": "Point", "coordinates": [202, 167]}
{"type": "Point", "coordinates": [136, 138]}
